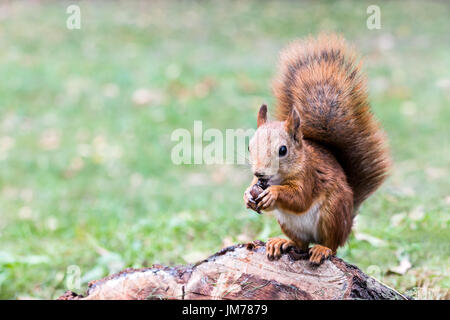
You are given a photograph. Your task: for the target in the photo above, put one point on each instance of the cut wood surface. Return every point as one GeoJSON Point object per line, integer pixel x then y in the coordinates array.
{"type": "Point", "coordinates": [242, 272]}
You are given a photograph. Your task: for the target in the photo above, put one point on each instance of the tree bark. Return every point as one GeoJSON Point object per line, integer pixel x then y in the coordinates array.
{"type": "Point", "coordinates": [242, 272]}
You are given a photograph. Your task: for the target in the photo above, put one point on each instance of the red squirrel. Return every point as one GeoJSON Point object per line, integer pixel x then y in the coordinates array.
{"type": "Point", "coordinates": [324, 155]}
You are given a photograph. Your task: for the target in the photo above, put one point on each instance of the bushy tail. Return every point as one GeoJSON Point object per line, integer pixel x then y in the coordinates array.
{"type": "Point", "coordinates": [320, 77]}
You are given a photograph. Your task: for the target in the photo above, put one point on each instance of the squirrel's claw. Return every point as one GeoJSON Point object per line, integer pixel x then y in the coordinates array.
{"type": "Point", "coordinates": [276, 246]}
{"type": "Point", "coordinates": [262, 195]}
{"type": "Point", "coordinates": [249, 202]}
{"type": "Point", "coordinates": [266, 200]}
{"type": "Point", "coordinates": [319, 253]}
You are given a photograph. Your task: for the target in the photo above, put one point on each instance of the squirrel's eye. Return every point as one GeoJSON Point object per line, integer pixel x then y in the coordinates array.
{"type": "Point", "coordinates": [282, 151]}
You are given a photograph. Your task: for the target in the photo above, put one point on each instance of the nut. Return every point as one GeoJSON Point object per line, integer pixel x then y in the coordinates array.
{"type": "Point", "coordinates": [255, 191]}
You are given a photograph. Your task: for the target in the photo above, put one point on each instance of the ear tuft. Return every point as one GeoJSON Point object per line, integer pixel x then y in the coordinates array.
{"type": "Point", "coordinates": [262, 116]}
{"type": "Point", "coordinates": [293, 125]}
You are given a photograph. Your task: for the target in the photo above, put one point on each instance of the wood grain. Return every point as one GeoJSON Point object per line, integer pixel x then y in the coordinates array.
{"type": "Point", "coordinates": [242, 272]}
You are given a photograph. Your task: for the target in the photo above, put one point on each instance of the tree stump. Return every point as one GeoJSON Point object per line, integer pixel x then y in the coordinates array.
{"type": "Point", "coordinates": [242, 272]}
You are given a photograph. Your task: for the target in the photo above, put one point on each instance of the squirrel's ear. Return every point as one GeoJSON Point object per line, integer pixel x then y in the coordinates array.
{"type": "Point", "coordinates": [262, 116]}
{"type": "Point", "coordinates": [293, 125]}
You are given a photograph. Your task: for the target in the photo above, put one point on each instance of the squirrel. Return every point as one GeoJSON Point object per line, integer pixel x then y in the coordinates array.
{"type": "Point", "coordinates": [325, 153]}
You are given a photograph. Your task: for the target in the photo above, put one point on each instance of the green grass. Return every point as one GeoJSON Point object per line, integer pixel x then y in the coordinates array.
{"type": "Point", "coordinates": [86, 177]}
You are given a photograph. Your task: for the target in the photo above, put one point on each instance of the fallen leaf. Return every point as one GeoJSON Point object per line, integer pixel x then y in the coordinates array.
{"type": "Point", "coordinates": [50, 139]}
{"type": "Point", "coordinates": [417, 213]}
{"type": "Point", "coordinates": [204, 87]}
{"type": "Point", "coordinates": [6, 143]}
{"type": "Point", "coordinates": [443, 83]}
{"type": "Point", "coordinates": [435, 173]}
{"type": "Point", "coordinates": [370, 239]}
{"type": "Point", "coordinates": [447, 200]}
{"type": "Point", "coordinates": [145, 96]}
{"type": "Point", "coordinates": [402, 268]}
{"type": "Point", "coordinates": [397, 219]}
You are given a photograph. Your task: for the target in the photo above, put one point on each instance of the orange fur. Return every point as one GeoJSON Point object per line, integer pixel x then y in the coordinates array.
{"type": "Point", "coordinates": [337, 153]}
{"type": "Point", "coordinates": [321, 79]}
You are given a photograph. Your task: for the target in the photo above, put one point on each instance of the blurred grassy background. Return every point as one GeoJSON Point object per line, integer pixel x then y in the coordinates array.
{"type": "Point", "coordinates": [86, 117]}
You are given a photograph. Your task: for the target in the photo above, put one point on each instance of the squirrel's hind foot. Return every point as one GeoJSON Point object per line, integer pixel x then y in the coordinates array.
{"type": "Point", "coordinates": [319, 253]}
{"type": "Point", "coordinates": [276, 246]}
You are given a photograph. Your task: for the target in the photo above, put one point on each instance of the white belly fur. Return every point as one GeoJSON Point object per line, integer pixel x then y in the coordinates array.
{"type": "Point", "coordinates": [304, 226]}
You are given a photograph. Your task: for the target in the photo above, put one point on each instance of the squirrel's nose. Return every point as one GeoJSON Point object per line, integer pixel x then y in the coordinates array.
{"type": "Point", "coordinates": [258, 174]}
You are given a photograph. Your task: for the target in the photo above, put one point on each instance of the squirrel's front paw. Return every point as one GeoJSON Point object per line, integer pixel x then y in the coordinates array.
{"type": "Point", "coordinates": [267, 199]}
{"type": "Point", "coordinates": [248, 199]}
